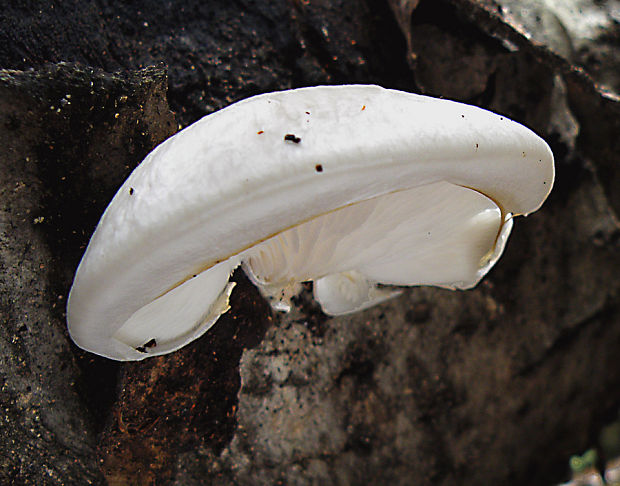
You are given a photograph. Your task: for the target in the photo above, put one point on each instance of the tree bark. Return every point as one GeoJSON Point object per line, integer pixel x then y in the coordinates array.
{"type": "Point", "coordinates": [496, 385]}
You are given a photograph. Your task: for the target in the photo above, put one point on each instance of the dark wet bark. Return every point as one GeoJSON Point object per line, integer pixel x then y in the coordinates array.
{"type": "Point", "coordinates": [69, 136]}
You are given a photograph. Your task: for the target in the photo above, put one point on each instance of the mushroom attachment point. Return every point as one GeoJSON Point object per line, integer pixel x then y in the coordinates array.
{"type": "Point", "coordinates": [409, 190]}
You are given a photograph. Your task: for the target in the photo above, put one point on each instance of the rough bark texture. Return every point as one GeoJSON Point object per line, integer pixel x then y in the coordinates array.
{"type": "Point", "coordinates": [69, 136]}
{"type": "Point", "coordinates": [497, 385]}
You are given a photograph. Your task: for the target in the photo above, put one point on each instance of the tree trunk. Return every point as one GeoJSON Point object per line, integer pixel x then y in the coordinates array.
{"type": "Point", "coordinates": [496, 385]}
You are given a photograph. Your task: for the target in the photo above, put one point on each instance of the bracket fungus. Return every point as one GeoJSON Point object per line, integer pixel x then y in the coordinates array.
{"type": "Point", "coordinates": [359, 189]}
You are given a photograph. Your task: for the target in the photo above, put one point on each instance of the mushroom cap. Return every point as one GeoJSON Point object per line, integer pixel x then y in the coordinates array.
{"type": "Point", "coordinates": [274, 178]}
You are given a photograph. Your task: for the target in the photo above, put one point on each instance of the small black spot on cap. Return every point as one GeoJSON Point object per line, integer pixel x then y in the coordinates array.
{"type": "Point", "coordinates": [147, 345]}
{"type": "Point", "coordinates": [150, 344]}
{"type": "Point", "coordinates": [289, 137]}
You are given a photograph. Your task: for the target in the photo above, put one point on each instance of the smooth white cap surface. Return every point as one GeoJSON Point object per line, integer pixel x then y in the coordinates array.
{"type": "Point", "coordinates": [334, 184]}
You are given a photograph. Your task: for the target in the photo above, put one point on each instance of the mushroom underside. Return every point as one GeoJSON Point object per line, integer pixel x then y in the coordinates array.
{"type": "Point", "coordinates": [439, 234]}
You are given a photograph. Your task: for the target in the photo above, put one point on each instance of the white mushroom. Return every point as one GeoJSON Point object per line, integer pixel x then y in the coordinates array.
{"type": "Point", "coordinates": [357, 188]}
